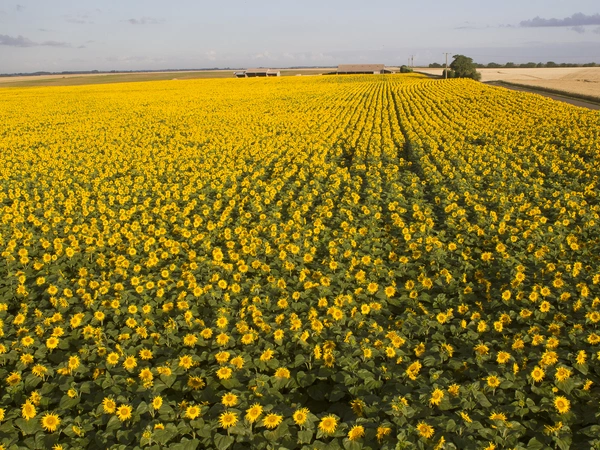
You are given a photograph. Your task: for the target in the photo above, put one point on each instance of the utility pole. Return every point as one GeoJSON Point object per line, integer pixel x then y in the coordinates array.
{"type": "Point", "coordinates": [446, 71]}
{"type": "Point", "coordinates": [412, 60]}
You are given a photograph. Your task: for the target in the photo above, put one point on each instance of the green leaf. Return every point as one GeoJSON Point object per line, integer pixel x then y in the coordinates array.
{"type": "Point", "coordinates": [113, 424]}
{"type": "Point", "coordinates": [305, 436]}
{"type": "Point", "coordinates": [336, 394]}
{"type": "Point", "coordinates": [186, 444]}
{"type": "Point", "coordinates": [303, 379]}
{"type": "Point", "coordinates": [534, 444]}
{"type": "Point", "coordinates": [222, 442]}
{"type": "Point", "coordinates": [352, 445]}
{"type": "Point", "coordinates": [164, 436]}
{"type": "Point", "coordinates": [429, 361]}
{"type": "Point", "coordinates": [125, 436]}
{"type": "Point", "coordinates": [564, 443]}
{"type": "Point", "coordinates": [450, 425]}
{"type": "Point", "coordinates": [142, 408]}
{"type": "Point", "coordinates": [31, 382]}
{"type": "Point", "coordinates": [318, 391]}
{"type": "Point", "coordinates": [482, 399]}
{"type": "Point", "coordinates": [30, 426]}
{"type": "Point", "coordinates": [67, 402]}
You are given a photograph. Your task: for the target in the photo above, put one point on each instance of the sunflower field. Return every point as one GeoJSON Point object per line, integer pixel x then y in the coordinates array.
{"type": "Point", "coordinates": [354, 262]}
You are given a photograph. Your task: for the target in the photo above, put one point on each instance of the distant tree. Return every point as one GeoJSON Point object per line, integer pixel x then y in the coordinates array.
{"type": "Point", "coordinates": [405, 69]}
{"type": "Point", "coordinates": [510, 65]}
{"type": "Point", "coordinates": [528, 65]}
{"type": "Point", "coordinates": [551, 64]}
{"type": "Point", "coordinates": [592, 64]}
{"type": "Point", "coordinates": [540, 65]}
{"type": "Point", "coordinates": [463, 67]}
{"type": "Point", "coordinates": [494, 65]}
{"type": "Point", "coordinates": [435, 66]}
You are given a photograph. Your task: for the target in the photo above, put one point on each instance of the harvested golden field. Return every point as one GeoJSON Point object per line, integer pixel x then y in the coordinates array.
{"type": "Point", "coordinates": [303, 262]}
{"type": "Point", "coordinates": [576, 80]}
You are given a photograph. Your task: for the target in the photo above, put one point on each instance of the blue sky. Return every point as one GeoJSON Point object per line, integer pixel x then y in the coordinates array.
{"type": "Point", "coordinates": [59, 35]}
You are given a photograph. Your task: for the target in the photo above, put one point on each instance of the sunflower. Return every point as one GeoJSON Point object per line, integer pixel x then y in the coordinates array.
{"type": "Point", "coordinates": [52, 342]}
{"type": "Point", "coordinates": [253, 413]}
{"type": "Point", "coordinates": [222, 339]}
{"type": "Point", "coordinates": [266, 355]}
{"type": "Point", "coordinates": [124, 412]}
{"type": "Point", "coordinates": [145, 354]}
{"type": "Point", "coordinates": [328, 424]}
{"type": "Point", "coordinates": [562, 373]}
{"type": "Point", "coordinates": [237, 362]}
{"type": "Point", "coordinates": [50, 422]}
{"type": "Point", "coordinates": [157, 402]}
{"type": "Point", "coordinates": [372, 288]}
{"type": "Point", "coordinates": [503, 357]}
{"type": "Point", "coordinates": [537, 374]}
{"type": "Point", "coordinates": [300, 416]}
{"type": "Point", "coordinates": [38, 370]}
{"type": "Point", "coordinates": [28, 411]}
{"type": "Point", "coordinates": [224, 373]}
{"type": "Point", "coordinates": [454, 390]}
{"type": "Point", "coordinates": [356, 432]}
{"type": "Point", "coordinates": [229, 399]}
{"type": "Point", "coordinates": [228, 419]}
{"type": "Point", "coordinates": [108, 405]}
{"type": "Point", "coordinates": [13, 379]}
{"type": "Point", "coordinates": [493, 381]}
{"type": "Point", "coordinates": [562, 405]}
{"type": "Point", "coordinates": [498, 416]}
{"type": "Point", "coordinates": [425, 430]}
{"type": "Point", "coordinates": [130, 363]}
{"type": "Point", "coordinates": [272, 420]}
{"type": "Point", "coordinates": [186, 361]}
{"type": "Point", "coordinates": [222, 357]}
{"type": "Point", "coordinates": [282, 372]}
{"type": "Point", "coordinates": [191, 412]}
{"type": "Point", "coordinates": [196, 383]}
{"type": "Point", "coordinates": [328, 359]}
{"type": "Point", "coordinates": [382, 432]}
{"type": "Point", "coordinates": [164, 370]}
{"type": "Point", "coordinates": [112, 358]}
{"type": "Point", "coordinates": [436, 397]}
{"type": "Point", "coordinates": [146, 375]}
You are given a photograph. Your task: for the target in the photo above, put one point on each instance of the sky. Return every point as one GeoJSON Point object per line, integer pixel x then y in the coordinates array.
{"type": "Point", "coordinates": [78, 35]}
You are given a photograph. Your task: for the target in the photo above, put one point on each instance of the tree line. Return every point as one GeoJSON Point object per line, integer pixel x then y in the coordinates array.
{"type": "Point", "coordinates": [512, 65]}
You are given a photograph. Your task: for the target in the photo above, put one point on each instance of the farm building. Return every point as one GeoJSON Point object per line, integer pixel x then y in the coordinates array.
{"type": "Point", "coordinates": [262, 72]}
{"type": "Point", "coordinates": [344, 69]}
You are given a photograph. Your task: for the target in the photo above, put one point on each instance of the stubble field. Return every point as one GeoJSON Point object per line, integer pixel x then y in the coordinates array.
{"type": "Point", "coordinates": [575, 80]}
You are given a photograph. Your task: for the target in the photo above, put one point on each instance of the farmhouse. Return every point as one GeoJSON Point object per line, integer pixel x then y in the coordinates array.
{"type": "Point", "coordinates": [344, 69]}
{"type": "Point", "coordinates": [262, 72]}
